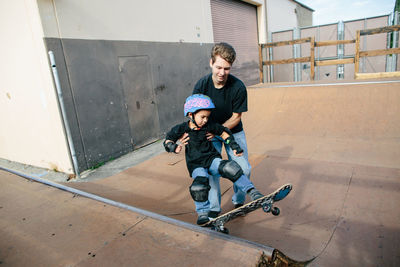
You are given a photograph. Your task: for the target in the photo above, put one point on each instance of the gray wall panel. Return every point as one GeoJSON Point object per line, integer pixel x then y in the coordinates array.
{"type": "Point", "coordinates": [95, 82]}
{"type": "Point", "coordinates": [175, 68]}
{"type": "Point", "coordinates": [94, 90]}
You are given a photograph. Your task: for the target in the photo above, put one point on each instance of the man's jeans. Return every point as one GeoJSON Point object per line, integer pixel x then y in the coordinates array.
{"type": "Point", "coordinates": [243, 183]}
{"type": "Point", "coordinates": [214, 196]}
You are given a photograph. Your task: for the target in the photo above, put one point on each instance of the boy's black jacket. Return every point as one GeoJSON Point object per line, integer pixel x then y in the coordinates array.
{"type": "Point", "coordinates": [199, 151]}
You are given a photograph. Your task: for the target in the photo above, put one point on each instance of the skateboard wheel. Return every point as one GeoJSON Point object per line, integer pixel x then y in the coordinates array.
{"type": "Point", "coordinates": [275, 211]}
{"type": "Point", "coordinates": [223, 230]}
{"type": "Point", "coordinates": [266, 208]}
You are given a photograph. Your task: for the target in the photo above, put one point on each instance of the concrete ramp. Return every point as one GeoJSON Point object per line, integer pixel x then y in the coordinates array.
{"type": "Point", "coordinates": [350, 122]}
{"type": "Point", "coordinates": [338, 144]}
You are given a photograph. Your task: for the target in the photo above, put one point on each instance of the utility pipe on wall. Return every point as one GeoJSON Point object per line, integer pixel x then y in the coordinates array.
{"type": "Point", "coordinates": [64, 114]}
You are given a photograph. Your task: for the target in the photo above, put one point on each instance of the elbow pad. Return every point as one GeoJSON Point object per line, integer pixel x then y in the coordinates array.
{"type": "Point", "coordinates": [170, 146]}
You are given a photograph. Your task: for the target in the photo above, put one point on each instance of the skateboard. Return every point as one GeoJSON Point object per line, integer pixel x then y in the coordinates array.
{"type": "Point", "coordinates": [266, 203]}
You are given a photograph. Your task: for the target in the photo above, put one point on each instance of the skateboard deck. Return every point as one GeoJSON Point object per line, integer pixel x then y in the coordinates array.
{"type": "Point", "coordinates": [266, 203]}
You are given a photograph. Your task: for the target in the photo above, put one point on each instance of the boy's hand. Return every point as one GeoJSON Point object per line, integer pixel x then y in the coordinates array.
{"type": "Point", "coordinates": [170, 146]}
{"type": "Point", "coordinates": [237, 150]}
{"type": "Point", "coordinates": [237, 154]}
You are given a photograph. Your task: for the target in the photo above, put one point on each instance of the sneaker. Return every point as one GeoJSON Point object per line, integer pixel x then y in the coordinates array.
{"type": "Point", "coordinates": [213, 214]}
{"type": "Point", "coordinates": [255, 194]}
{"type": "Point", "coordinates": [202, 219]}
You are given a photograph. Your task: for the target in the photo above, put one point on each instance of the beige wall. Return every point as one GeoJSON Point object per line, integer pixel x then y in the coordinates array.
{"type": "Point", "coordinates": [281, 15]}
{"type": "Point", "coordinates": [151, 20]}
{"type": "Point", "coordinates": [304, 16]}
{"type": "Point", "coordinates": [31, 131]}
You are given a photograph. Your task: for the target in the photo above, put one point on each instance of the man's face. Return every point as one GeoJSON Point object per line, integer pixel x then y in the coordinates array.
{"type": "Point", "coordinates": [220, 70]}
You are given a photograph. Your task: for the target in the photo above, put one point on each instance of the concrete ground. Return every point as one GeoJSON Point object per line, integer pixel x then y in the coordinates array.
{"type": "Point", "coordinates": [338, 144]}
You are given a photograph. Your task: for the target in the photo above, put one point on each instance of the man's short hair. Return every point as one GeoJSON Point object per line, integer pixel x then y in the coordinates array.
{"type": "Point", "coordinates": [224, 50]}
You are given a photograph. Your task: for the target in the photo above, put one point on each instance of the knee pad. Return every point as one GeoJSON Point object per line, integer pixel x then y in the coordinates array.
{"type": "Point", "coordinates": [230, 169]}
{"type": "Point", "coordinates": [199, 189]}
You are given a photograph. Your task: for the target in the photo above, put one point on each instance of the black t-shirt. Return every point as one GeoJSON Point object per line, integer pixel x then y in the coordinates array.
{"type": "Point", "coordinates": [199, 151]}
{"type": "Point", "coordinates": [228, 99]}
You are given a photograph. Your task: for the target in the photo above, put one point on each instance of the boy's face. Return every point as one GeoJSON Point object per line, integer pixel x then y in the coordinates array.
{"type": "Point", "coordinates": [201, 117]}
{"type": "Point", "coordinates": [220, 70]}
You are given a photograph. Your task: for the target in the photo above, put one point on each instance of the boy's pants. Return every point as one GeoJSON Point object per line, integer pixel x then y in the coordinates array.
{"type": "Point", "coordinates": [243, 183]}
{"type": "Point", "coordinates": [214, 196]}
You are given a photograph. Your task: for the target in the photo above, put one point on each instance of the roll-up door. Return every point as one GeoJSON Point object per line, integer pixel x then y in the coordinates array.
{"type": "Point", "coordinates": [235, 22]}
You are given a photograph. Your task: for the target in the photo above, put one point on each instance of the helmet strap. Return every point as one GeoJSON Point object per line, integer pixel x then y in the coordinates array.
{"type": "Point", "coordinates": [193, 120]}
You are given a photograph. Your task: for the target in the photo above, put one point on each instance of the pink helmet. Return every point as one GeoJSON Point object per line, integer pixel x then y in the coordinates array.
{"type": "Point", "coordinates": [197, 102]}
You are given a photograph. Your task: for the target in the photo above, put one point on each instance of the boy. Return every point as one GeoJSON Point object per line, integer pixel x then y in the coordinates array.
{"type": "Point", "coordinates": [202, 159]}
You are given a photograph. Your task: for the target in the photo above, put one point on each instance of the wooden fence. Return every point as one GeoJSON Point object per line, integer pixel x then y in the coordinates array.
{"type": "Point", "coordinates": [355, 59]}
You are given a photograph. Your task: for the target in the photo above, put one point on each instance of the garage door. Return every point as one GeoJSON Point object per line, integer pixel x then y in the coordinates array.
{"type": "Point", "coordinates": [235, 22]}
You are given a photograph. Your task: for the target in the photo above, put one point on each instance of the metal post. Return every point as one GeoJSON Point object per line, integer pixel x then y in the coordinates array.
{"type": "Point", "coordinates": [318, 50]}
{"type": "Point", "coordinates": [264, 68]}
{"type": "Point", "coordinates": [296, 54]}
{"type": "Point", "coordinates": [363, 60]}
{"type": "Point", "coordinates": [395, 40]}
{"type": "Point", "coordinates": [388, 67]}
{"type": "Point", "coordinates": [340, 51]}
{"type": "Point", "coordinates": [265, 50]}
{"type": "Point", "coordinates": [271, 56]}
{"type": "Point", "coordinates": [64, 114]}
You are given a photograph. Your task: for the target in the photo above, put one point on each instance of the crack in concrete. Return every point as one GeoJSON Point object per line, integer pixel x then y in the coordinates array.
{"type": "Point", "coordinates": [340, 217]}
{"type": "Point", "coordinates": [134, 225]}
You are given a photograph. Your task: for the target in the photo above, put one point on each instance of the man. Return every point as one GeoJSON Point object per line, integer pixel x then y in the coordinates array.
{"type": "Point", "coordinates": [202, 159]}
{"type": "Point", "coordinates": [229, 95]}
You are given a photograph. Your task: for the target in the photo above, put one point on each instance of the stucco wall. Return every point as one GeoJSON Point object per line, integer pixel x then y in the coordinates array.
{"type": "Point", "coordinates": [139, 20]}
{"type": "Point", "coordinates": [304, 16]}
{"type": "Point", "coordinates": [31, 128]}
{"type": "Point", "coordinates": [281, 15]}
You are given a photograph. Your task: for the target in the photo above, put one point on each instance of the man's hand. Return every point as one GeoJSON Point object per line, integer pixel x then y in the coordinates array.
{"type": "Point", "coordinates": [210, 136]}
{"type": "Point", "coordinates": [233, 120]}
{"type": "Point", "coordinates": [183, 141]}
{"type": "Point", "coordinates": [178, 148]}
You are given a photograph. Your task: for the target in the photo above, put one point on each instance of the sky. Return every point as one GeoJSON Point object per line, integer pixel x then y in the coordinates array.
{"type": "Point", "coordinates": [331, 11]}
